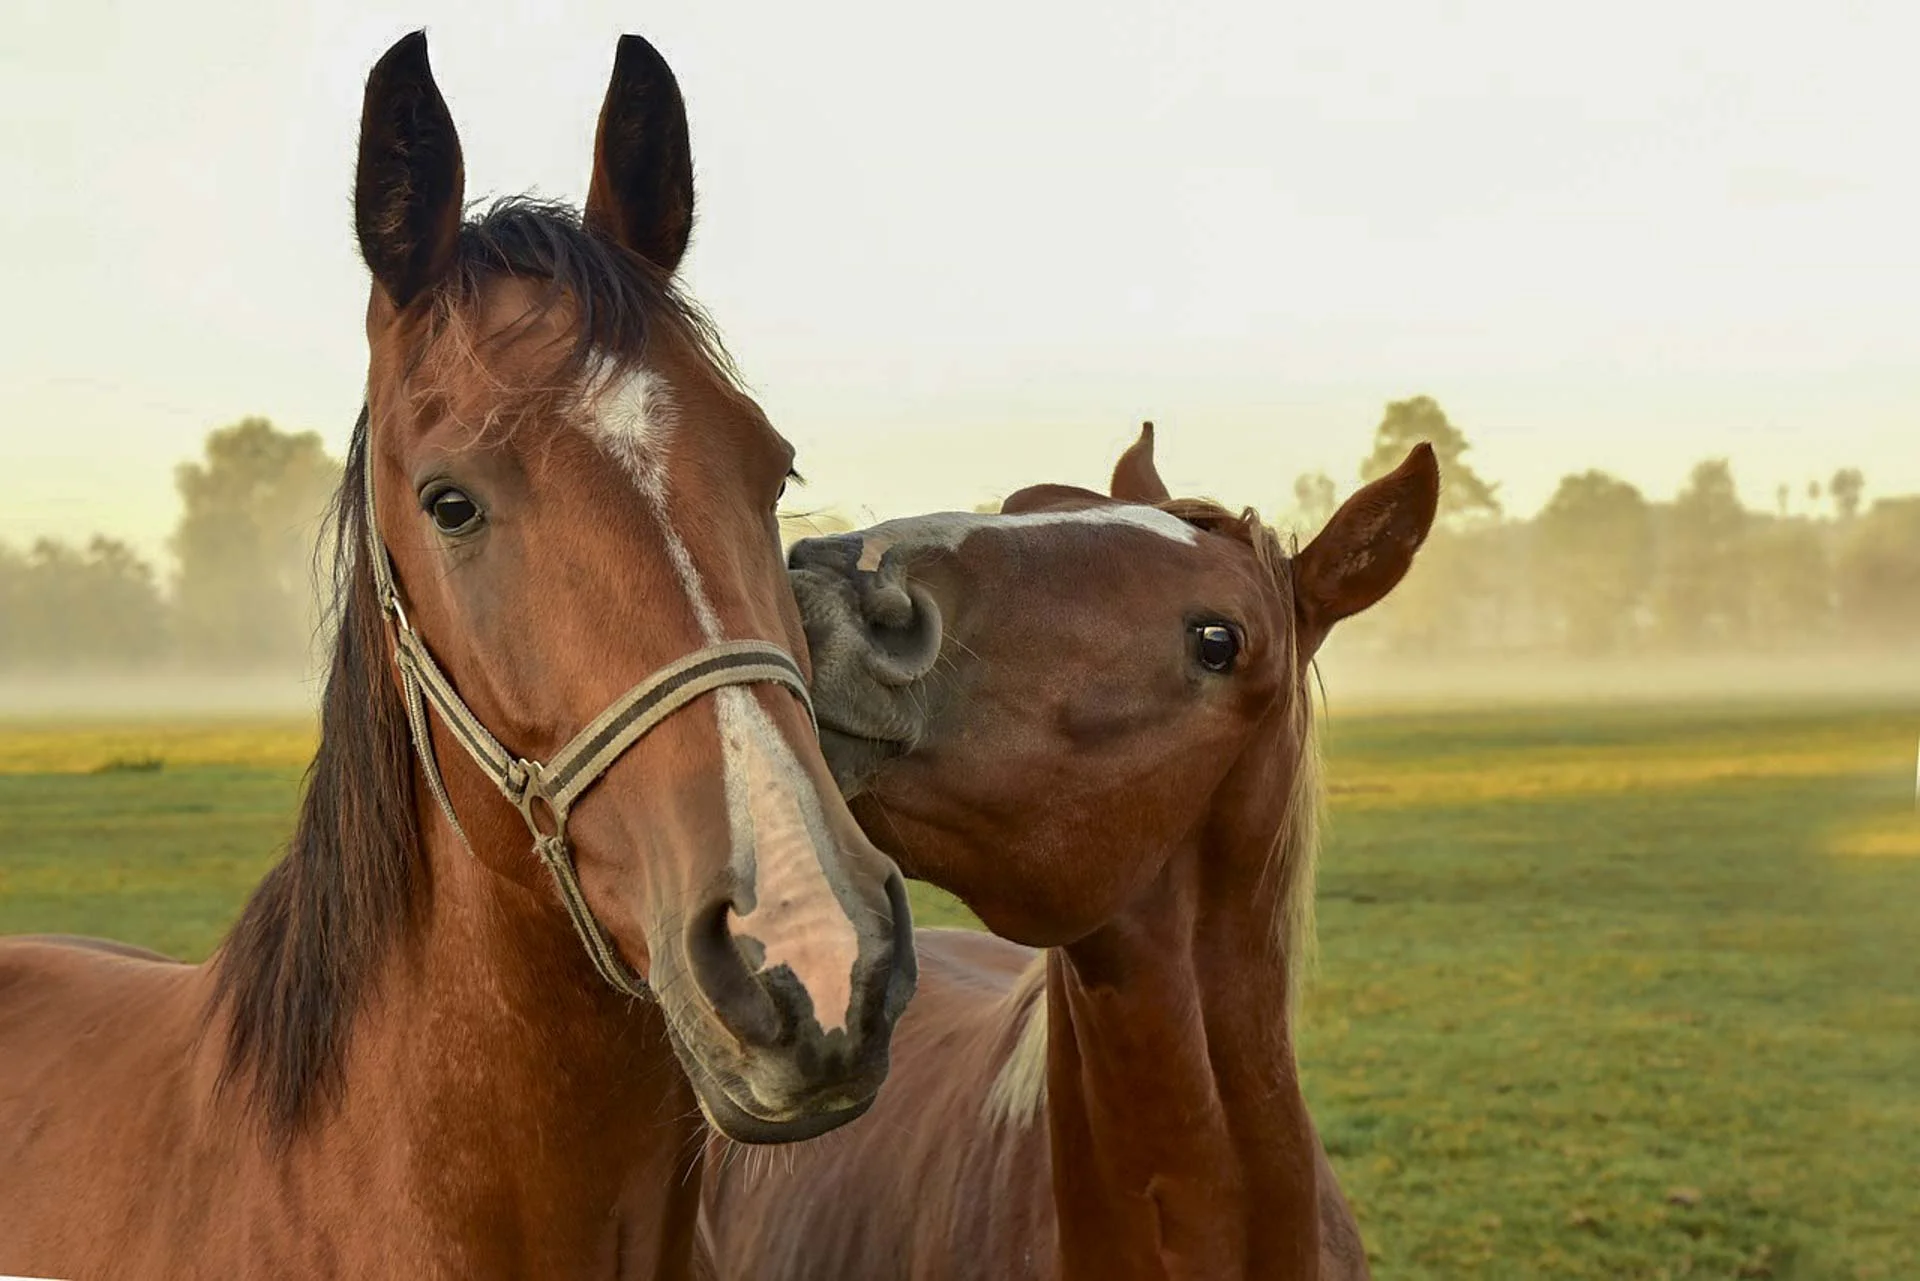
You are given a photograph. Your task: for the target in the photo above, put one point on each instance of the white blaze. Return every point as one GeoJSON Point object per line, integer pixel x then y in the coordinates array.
{"type": "Point", "coordinates": [773, 808]}
{"type": "Point", "coordinates": [949, 529]}
{"type": "Point", "coordinates": [778, 833]}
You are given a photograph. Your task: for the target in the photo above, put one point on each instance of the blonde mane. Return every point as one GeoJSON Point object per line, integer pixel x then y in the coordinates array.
{"type": "Point", "coordinates": [1019, 1091]}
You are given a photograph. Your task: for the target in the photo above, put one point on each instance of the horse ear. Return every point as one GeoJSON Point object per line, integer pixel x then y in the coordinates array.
{"type": "Point", "coordinates": [641, 192]}
{"type": "Point", "coordinates": [1367, 547]}
{"type": "Point", "coordinates": [408, 183]}
{"type": "Point", "coordinates": [1135, 479]}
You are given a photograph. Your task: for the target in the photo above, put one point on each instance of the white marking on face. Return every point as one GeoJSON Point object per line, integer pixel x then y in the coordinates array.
{"type": "Point", "coordinates": [773, 808]}
{"type": "Point", "coordinates": [635, 421]}
{"type": "Point", "coordinates": [778, 830]}
{"type": "Point", "coordinates": [947, 530]}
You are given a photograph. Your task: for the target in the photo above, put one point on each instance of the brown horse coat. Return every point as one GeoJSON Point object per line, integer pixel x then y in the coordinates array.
{"type": "Point", "coordinates": [1090, 720]}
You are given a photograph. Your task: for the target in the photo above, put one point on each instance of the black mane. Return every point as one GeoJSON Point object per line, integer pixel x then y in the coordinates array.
{"type": "Point", "coordinates": [308, 944]}
{"type": "Point", "coordinates": [618, 296]}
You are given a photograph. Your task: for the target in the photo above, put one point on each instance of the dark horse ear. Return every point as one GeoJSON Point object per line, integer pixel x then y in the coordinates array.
{"type": "Point", "coordinates": [408, 185]}
{"type": "Point", "coordinates": [641, 193]}
{"type": "Point", "coordinates": [1367, 547]}
{"type": "Point", "coordinates": [1135, 478]}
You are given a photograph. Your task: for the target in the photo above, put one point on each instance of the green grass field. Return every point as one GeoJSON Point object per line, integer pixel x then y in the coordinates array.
{"type": "Point", "coordinates": [1604, 993]}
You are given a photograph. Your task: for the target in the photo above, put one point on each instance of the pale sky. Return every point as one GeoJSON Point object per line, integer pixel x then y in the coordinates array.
{"type": "Point", "coordinates": [959, 249]}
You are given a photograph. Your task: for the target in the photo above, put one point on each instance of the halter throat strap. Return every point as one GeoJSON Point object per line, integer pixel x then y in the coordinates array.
{"type": "Point", "coordinates": [545, 793]}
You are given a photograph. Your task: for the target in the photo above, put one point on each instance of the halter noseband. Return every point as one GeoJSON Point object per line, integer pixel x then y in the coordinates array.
{"type": "Point", "coordinates": [554, 786]}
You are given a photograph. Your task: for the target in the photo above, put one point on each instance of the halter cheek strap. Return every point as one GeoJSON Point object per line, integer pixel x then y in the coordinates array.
{"type": "Point", "coordinates": [545, 793]}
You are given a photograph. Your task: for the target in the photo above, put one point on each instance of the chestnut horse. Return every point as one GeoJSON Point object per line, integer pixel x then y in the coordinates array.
{"type": "Point", "coordinates": [468, 1025]}
{"type": "Point", "coordinates": [1089, 717]}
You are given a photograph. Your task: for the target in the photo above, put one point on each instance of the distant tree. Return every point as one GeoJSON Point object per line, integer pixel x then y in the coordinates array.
{"type": "Point", "coordinates": [14, 604]}
{"type": "Point", "coordinates": [1455, 597]}
{"type": "Point", "coordinates": [66, 606]}
{"type": "Point", "coordinates": [245, 544]}
{"type": "Point", "coordinates": [1406, 424]}
{"type": "Point", "coordinates": [1792, 599]}
{"type": "Point", "coordinates": [1878, 575]}
{"type": "Point", "coordinates": [1458, 598]}
{"type": "Point", "coordinates": [1813, 492]}
{"type": "Point", "coordinates": [1846, 487]}
{"type": "Point", "coordinates": [1594, 560]}
{"type": "Point", "coordinates": [1702, 597]}
{"type": "Point", "coordinates": [122, 608]}
{"type": "Point", "coordinates": [1780, 496]}
{"type": "Point", "coordinates": [1314, 498]}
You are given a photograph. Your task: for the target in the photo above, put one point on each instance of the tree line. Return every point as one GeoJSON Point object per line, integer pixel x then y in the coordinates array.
{"type": "Point", "coordinates": [242, 595]}
{"type": "Point", "coordinates": [1603, 570]}
{"type": "Point", "coordinates": [1599, 570]}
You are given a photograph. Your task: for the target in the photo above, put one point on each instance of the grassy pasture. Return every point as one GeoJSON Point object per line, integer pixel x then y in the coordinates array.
{"type": "Point", "coordinates": [1606, 992]}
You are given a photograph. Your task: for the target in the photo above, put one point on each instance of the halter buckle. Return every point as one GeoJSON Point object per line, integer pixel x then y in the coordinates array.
{"type": "Point", "coordinates": [396, 613]}
{"type": "Point", "coordinates": [522, 787]}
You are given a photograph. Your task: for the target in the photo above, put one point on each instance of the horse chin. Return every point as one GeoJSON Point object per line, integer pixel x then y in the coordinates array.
{"type": "Point", "coordinates": [740, 1125]}
{"type": "Point", "coordinates": [743, 1124]}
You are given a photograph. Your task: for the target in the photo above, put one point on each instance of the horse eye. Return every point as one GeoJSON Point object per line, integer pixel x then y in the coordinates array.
{"type": "Point", "coordinates": [452, 511]}
{"type": "Point", "coordinates": [792, 477]}
{"type": "Point", "coordinates": [1216, 646]}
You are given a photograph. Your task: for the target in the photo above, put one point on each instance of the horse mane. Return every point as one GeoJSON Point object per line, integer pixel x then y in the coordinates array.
{"type": "Point", "coordinates": [299, 962]}
{"type": "Point", "coordinates": [617, 299]}
{"type": "Point", "coordinates": [307, 950]}
{"type": "Point", "coordinates": [1019, 1089]}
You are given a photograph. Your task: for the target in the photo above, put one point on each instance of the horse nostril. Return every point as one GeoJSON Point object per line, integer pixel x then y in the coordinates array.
{"type": "Point", "coordinates": [723, 977]}
{"type": "Point", "coordinates": [903, 975]}
{"type": "Point", "coordinates": [878, 620]}
{"type": "Point", "coordinates": [890, 605]}
{"type": "Point", "coordinates": [904, 632]}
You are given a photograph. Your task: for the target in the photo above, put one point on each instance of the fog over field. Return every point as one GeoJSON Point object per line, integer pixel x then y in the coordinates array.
{"type": "Point", "coordinates": [1353, 683]}
{"type": "Point", "coordinates": [1370, 680]}
{"type": "Point", "coordinates": [108, 694]}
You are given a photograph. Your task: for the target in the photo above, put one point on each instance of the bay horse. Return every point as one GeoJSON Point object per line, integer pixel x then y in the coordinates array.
{"type": "Point", "coordinates": [1089, 718]}
{"type": "Point", "coordinates": [469, 1024]}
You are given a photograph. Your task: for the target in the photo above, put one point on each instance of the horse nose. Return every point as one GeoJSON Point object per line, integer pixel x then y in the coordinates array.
{"type": "Point", "coordinates": [900, 621]}
{"type": "Point", "coordinates": [769, 993]}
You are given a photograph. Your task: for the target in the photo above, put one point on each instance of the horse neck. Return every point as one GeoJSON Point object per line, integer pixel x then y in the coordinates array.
{"type": "Point", "coordinates": [1171, 1080]}
{"type": "Point", "coordinates": [537, 1102]}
